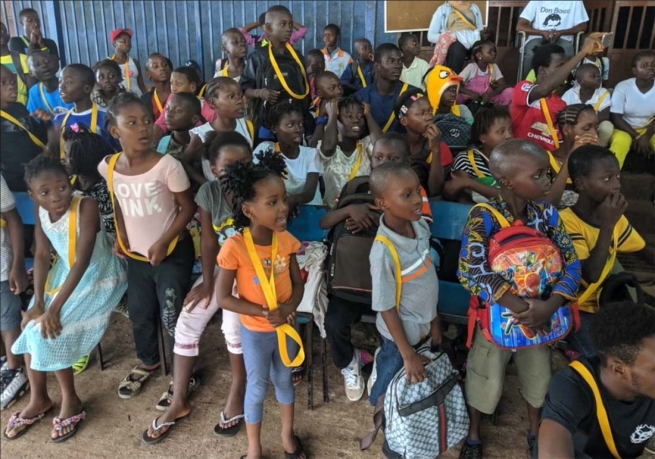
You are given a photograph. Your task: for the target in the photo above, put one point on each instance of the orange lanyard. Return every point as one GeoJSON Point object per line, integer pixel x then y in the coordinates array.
{"type": "Point", "coordinates": [126, 70]}
{"type": "Point", "coordinates": [155, 97]}
{"type": "Point", "coordinates": [549, 121]}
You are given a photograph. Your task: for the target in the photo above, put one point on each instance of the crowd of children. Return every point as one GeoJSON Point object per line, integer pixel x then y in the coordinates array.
{"type": "Point", "coordinates": [119, 171]}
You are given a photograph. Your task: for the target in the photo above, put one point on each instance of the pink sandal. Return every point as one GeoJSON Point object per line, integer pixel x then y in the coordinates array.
{"type": "Point", "coordinates": [60, 424]}
{"type": "Point", "coordinates": [15, 421]}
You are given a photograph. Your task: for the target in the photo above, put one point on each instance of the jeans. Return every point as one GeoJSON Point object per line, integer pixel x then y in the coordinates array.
{"type": "Point", "coordinates": [456, 57]}
{"type": "Point", "coordinates": [581, 341]}
{"type": "Point", "coordinates": [154, 291]}
{"type": "Point", "coordinates": [261, 357]}
{"type": "Point", "coordinates": [536, 42]}
{"type": "Point", "coordinates": [341, 315]}
{"type": "Point", "coordinates": [387, 363]}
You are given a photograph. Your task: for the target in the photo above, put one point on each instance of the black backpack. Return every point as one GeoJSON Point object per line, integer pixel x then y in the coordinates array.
{"type": "Point", "coordinates": [289, 69]}
{"type": "Point", "coordinates": [15, 59]}
{"type": "Point", "coordinates": [455, 130]}
{"type": "Point", "coordinates": [348, 269]}
{"type": "Point", "coordinates": [615, 288]}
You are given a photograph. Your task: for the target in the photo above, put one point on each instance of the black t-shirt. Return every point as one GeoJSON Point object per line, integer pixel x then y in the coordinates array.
{"type": "Point", "coordinates": [16, 148]}
{"type": "Point", "coordinates": [570, 403]}
{"type": "Point", "coordinates": [18, 44]}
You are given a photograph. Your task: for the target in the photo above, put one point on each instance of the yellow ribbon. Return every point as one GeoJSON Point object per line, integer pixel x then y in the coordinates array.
{"type": "Point", "coordinates": [554, 165]}
{"type": "Point", "coordinates": [477, 171]}
{"type": "Point", "coordinates": [280, 76]}
{"type": "Point", "coordinates": [72, 241]}
{"type": "Point", "coordinates": [93, 127]}
{"type": "Point", "coordinates": [110, 186]}
{"type": "Point", "coordinates": [600, 100]}
{"type": "Point", "coordinates": [396, 263]}
{"type": "Point", "coordinates": [358, 163]}
{"type": "Point", "coordinates": [549, 121]}
{"type": "Point", "coordinates": [392, 117]}
{"type": "Point", "coordinates": [224, 72]}
{"type": "Point", "coordinates": [268, 287]}
{"type": "Point", "coordinates": [155, 97]}
{"type": "Point", "coordinates": [45, 102]}
{"type": "Point", "coordinates": [128, 84]}
{"type": "Point", "coordinates": [361, 76]}
{"type": "Point", "coordinates": [17, 123]}
{"type": "Point", "coordinates": [202, 92]}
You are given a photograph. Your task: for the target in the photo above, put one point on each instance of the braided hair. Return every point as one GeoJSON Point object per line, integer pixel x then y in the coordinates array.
{"type": "Point", "coordinates": [280, 110]}
{"type": "Point", "coordinates": [43, 163]}
{"type": "Point", "coordinates": [571, 114]}
{"type": "Point", "coordinates": [349, 102]}
{"type": "Point", "coordinates": [216, 85]}
{"type": "Point", "coordinates": [240, 179]}
{"type": "Point", "coordinates": [122, 100]}
{"type": "Point", "coordinates": [109, 64]}
{"type": "Point", "coordinates": [215, 142]}
{"type": "Point", "coordinates": [484, 120]}
{"type": "Point", "coordinates": [86, 150]}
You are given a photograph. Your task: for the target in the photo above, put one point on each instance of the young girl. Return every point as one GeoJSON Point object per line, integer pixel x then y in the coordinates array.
{"type": "Point", "coordinates": [442, 88]}
{"type": "Point", "coordinates": [343, 154]}
{"type": "Point", "coordinates": [225, 98]}
{"type": "Point", "coordinates": [429, 155]}
{"type": "Point", "coordinates": [200, 305]}
{"type": "Point", "coordinates": [471, 180]}
{"type": "Point", "coordinates": [121, 39]}
{"type": "Point", "coordinates": [483, 80]}
{"type": "Point", "coordinates": [108, 82]}
{"type": "Point", "coordinates": [152, 204]}
{"type": "Point", "coordinates": [262, 253]}
{"type": "Point", "coordinates": [235, 48]}
{"type": "Point", "coordinates": [158, 70]}
{"type": "Point", "coordinates": [577, 123]}
{"type": "Point", "coordinates": [181, 115]}
{"type": "Point", "coordinates": [303, 164]}
{"type": "Point", "coordinates": [72, 302]}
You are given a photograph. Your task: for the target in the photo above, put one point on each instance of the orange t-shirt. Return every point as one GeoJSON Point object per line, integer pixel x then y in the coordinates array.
{"type": "Point", "coordinates": [234, 256]}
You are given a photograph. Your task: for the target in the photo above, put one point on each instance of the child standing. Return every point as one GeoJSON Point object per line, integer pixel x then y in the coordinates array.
{"type": "Point", "coordinates": [17, 64]}
{"type": "Point", "coordinates": [23, 136]}
{"type": "Point", "coordinates": [45, 95]}
{"type": "Point", "coordinates": [336, 59]}
{"type": "Point", "coordinates": [152, 205]}
{"type": "Point", "coordinates": [521, 169]}
{"type": "Point", "coordinates": [121, 40]}
{"type": "Point", "coordinates": [471, 179]}
{"type": "Point", "coordinates": [13, 280]}
{"type": "Point", "coordinates": [72, 302]}
{"type": "Point", "coordinates": [599, 230]}
{"type": "Point", "coordinates": [109, 81]}
{"type": "Point", "coordinates": [158, 70]}
{"type": "Point", "coordinates": [235, 48]}
{"type": "Point", "coordinates": [260, 41]}
{"type": "Point", "coordinates": [589, 91]}
{"type": "Point", "coordinates": [262, 260]}
{"type": "Point", "coordinates": [303, 163]}
{"type": "Point", "coordinates": [482, 79]}
{"type": "Point", "coordinates": [414, 68]}
{"type": "Point", "coordinates": [181, 115]}
{"type": "Point", "coordinates": [403, 322]}
{"type": "Point", "coordinates": [359, 74]}
{"type": "Point", "coordinates": [200, 305]}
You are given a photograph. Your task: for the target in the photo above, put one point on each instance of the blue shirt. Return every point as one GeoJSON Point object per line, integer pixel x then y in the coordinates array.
{"type": "Point", "coordinates": [50, 102]}
{"type": "Point", "coordinates": [382, 106]}
{"type": "Point", "coordinates": [85, 119]}
{"type": "Point", "coordinates": [350, 77]}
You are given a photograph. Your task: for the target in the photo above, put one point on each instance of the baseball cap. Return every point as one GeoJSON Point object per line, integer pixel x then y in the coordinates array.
{"type": "Point", "coordinates": [116, 32]}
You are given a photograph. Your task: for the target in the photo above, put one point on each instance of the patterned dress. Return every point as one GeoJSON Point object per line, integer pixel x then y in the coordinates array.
{"type": "Point", "coordinates": [85, 316]}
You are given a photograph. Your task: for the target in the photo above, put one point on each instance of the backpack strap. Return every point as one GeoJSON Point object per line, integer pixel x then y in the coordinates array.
{"type": "Point", "coordinates": [601, 412]}
{"type": "Point", "coordinates": [497, 215]}
{"type": "Point", "coordinates": [18, 65]}
{"type": "Point", "coordinates": [396, 261]}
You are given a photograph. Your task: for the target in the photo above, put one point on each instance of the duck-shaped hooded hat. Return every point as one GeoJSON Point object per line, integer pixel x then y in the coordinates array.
{"type": "Point", "coordinates": [437, 81]}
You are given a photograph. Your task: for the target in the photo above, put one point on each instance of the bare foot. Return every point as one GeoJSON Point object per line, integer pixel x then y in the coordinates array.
{"type": "Point", "coordinates": [291, 445]}
{"type": "Point", "coordinates": [172, 414]}
{"type": "Point", "coordinates": [68, 410]}
{"type": "Point", "coordinates": [33, 409]}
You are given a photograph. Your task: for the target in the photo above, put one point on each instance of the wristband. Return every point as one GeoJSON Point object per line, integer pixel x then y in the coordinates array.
{"type": "Point", "coordinates": [321, 120]}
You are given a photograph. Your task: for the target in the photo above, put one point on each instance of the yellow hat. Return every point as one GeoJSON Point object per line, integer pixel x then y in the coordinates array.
{"type": "Point", "coordinates": [437, 81]}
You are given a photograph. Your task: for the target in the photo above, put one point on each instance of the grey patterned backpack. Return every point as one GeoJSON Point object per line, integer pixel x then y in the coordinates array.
{"type": "Point", "coordinates": [422, 420]}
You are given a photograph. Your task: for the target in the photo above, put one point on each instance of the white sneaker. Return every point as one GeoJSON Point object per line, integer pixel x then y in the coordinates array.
{"type": "Point", "coordinates": [4, 366]}
{"type": "Point", "coordinates": [354, 382]}
{"type": "Point", "coordinates": [374, 373]}
{"type": "Point", "coordinates": [15, 384]}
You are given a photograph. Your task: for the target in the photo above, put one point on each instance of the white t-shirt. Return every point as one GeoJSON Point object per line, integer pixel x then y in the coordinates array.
{"type": "Point", "coordinates": [7, 202]}
{"type": "Point", "coordinates": [202, 131]}
{"type": "Point", "coordinates": [553, 16]}
{"type": "Point", "coordinates": [637, 108]}
{"type": "Point", "coordinates": [572, 96]}
{"type": "Point", "coordinates": [307, 162]}
{"type": "Point", "coordinates": [339, 166]}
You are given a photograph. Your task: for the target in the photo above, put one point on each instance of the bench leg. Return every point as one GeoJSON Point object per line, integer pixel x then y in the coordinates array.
{"type": "Point", "coordinates": [161, 338]}
{"type": "Point", "coordinates": [309, 362]}
{"type": "Point", "coordinates": [99, 356]}
{"type": "Point", "coordinates": [324, 364]}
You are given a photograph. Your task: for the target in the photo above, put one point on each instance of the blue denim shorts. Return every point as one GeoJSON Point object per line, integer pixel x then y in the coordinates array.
{"type": "Point", "coordinates": [10, 308]}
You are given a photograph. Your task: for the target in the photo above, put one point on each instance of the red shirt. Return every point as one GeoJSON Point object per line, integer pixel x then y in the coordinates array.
{"type": "Point", "coordinates": [528, 121]}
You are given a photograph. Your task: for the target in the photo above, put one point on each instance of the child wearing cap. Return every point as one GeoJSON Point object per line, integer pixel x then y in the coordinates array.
{"type": "Point", "coordinates": [121, 40]}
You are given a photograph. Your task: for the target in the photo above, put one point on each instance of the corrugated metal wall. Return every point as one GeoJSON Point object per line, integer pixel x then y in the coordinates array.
{"type": "Point", "coordinates": [188, 29]}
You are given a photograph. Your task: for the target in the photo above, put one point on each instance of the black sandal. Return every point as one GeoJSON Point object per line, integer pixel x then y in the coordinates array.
{"type": "Point", "coordinates": [228, 431]}
{"type": "Point", "coordinates": [148, 440]}
{"type": "Point", "coordinates": [298, 452]}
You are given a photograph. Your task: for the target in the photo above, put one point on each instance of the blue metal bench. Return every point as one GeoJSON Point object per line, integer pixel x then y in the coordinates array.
{"type": "Point", "coordinates": [25, 208]}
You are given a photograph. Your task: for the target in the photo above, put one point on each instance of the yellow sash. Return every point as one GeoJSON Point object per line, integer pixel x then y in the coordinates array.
{"type": "Point", "coordinates": [202, 92]}
{"type": "Point", "coordinates": [128, 83]}
{"type": "Point", "coordinates": [110, 186]}
{"type": "Point", "coordinates": [600, 100]}
{"type": "Point", "coordinates": [392, 117]}
{"type": "Point", "coordinates": [280, 76]}
{"type": "Point", "coordinates": [591, 289]}
{"type": "Point", "coordinates": [477, 171]}
{"type": "Point", "coordinates": [455, 110]}
{"type": "Point", "coordinates": [361, 76]}
{"type": "Point", "coordinates": [268, 287]}
{"type": "Point", "coordinates": [17, 123]}
{"type": "Point", "coordinates": [155, 97]}
{"type": "Point", "coordinates": [464, 18]}
{"type": "Point", "coordinates": [72, 241]}
{"type": "Point", "coordinates": [224, 72]}
{"type": "Point", "coordinates": [396, 263]}
{"type": "Point", "coordinates": [556, 167]}
{"type": "Point", "coordinates": [92, 128]}
{"type": "Point", "coordinates": [251, 130]}
{"type": "Point", "coordinates": [45, 101]}
{"type": "Point", "coordinates": [358, 162]}
{"type": "Point", "coordinates": [549, 121]}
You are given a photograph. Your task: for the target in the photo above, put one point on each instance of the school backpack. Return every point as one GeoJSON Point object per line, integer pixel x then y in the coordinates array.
{"type": "Point", "coordinates": [455, 131]}
{"type": "Point", "coordinates": [532, 265]}
{"type": "Point", "coordinates": [348, 268]}
{"type": "Point", "coordinates": [423, 420]}
{"type": "Point", "coordinates": [20, 72]}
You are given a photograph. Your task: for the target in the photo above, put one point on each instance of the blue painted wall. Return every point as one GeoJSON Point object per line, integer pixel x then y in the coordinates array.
{"type": "Point", "coordinates": [186, 30]}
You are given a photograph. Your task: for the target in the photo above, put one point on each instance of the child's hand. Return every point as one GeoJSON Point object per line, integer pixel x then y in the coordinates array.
{"type": "Point", "coordinates": [32, 313]}
{"type": "Point", "coordinates": [280, 316]}
{"type": "Point", "coordinates": [486, 97]}
{"type": "Point", "coordinates": [17, 280]}
{"type": "Point", "coordinates": [35, 37]}
{"type": "Point", "coordinates": [157, 253]}
{"type": "Point", "coordinates": [458, 182]}
{"type": "Point", "coordinates": [50, 324]}
{"type": "Point", "coordinates": [362, 217]}
{"type": "Point", "coordinates": [201, 294]}
{"type": "Point", "coordinates": [367, 109]}
{"type": "Point", "coordinates": [436, 337]}
{"type": "Point", "coordinates": [42, 115]}
{"type": "Point", "coordinates": [585, 139]}
{"type": "Point", "coordinates": [269, 95]}
{"type": "Point", "coordinates": [433, 134]}
{"type": "Point", "coordinates": [118, 251]}
{"type": "Point", "coordinates": [415, 368]}
{"type": "Point", "coordinates": [592, 44]}
{"type": "Point", "coordinates": [612, 208]}
{"type": "Point", "coordinates": [537, 315]}
{"type": "Point", "coordinates": [332, 108]}
{"type": "Point", "coordinates": [642, 145]}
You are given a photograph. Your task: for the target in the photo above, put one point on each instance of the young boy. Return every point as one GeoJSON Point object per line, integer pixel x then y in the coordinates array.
{"type": "Point", "coordinates": [533, 119]}
{"type": "Point", "coordinates": [45, 95]}
{"type": "Point", "coordinates": [315, 65]}
{"type": "Point", "coordinates": [16, 63]}
{"type": "Point", "coordinates": [414, 68]}
{"type": "Point", "coordinates": [13, 280]}
{"type": "Point", "coordinates": [359, 74]}
{"type": "Point", "coordinates": [594, 223]}
{"type": "Point", "coordinates": [121, 40]}
{"type": "Point", "coordinates": [442, 87]}
{"type": "Point", "coordinates": [259, 41]}
{"type": "Point", "coordinates": [589, 91]}
{"type": "Point", "coordinates": [624, 334]}
{"type": "Point", "coordinates": [521, 168]}
{"type": "Point", "coordinates": [328, 87]}
{"type": "Point", "coordinates": [182, 114]}
{"type": "Point", "coordinates": [235, 48]}
{"type": "Point", "coordinates": [32, 38]}
{"type": "Point", "coordinates": [261, 82]}
{"type": "Point", "coordinates": [402, 326]}
{"type": "Point", "coordinates": [17, 146]}
{"type": "Point", "coordinates": [382, 94]}
{"type": "Point", "coordinates": [336, 59]}
{"type": "Point", "coordinates": [343, 314]}
{"type": "Point", "coordinates": [158, 70]}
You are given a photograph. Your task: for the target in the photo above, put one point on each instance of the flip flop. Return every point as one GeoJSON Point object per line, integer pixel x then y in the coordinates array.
{"type": "Point", "coordinates": [59, 425]}
{"type": "Point", "coordinates": [298, 452]}
{"type": "Point", "coordinates": [153, 441]}
{"type": "Point", "coordinates": [130, 388]}
{"type": "Point", "coordinates": [228, 431]}
{"type": "Point", "coordinates": [296, 371]}
{"type": "Point", "coordinates": [15, 420]}
{"type": "Point", "coordinates": [80, 365]}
